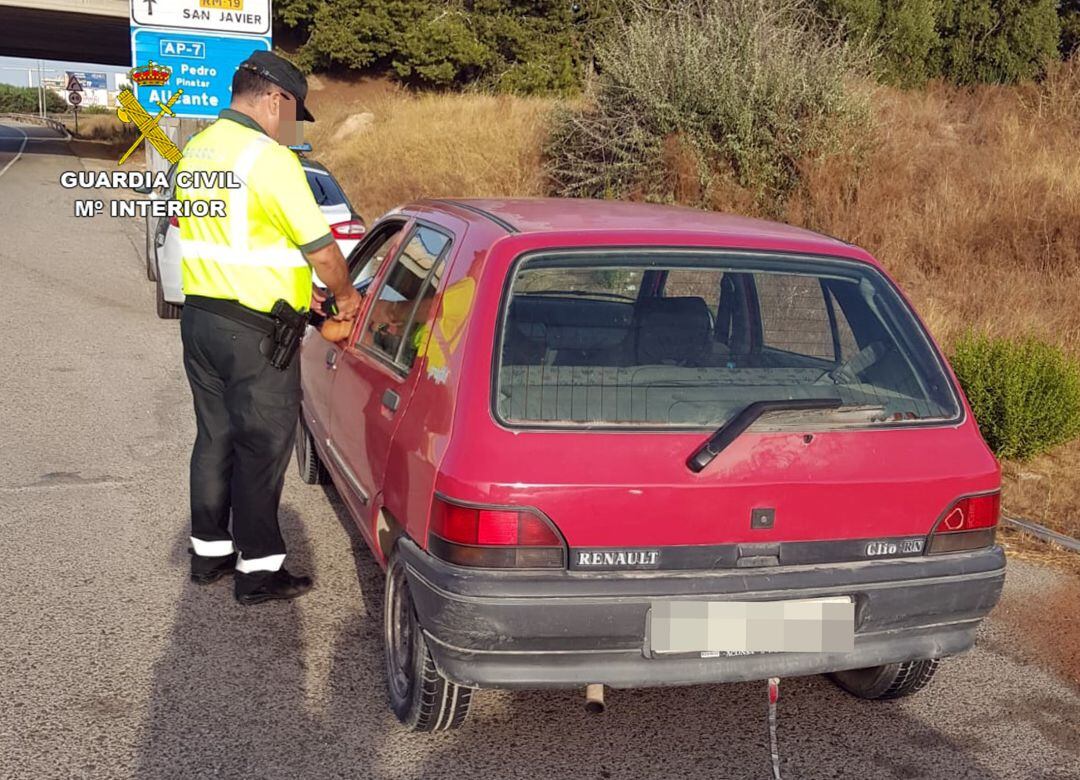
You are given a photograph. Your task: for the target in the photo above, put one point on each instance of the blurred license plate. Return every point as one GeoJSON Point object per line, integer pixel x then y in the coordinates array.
{"type": "Point", "coordinates": [825, 625]}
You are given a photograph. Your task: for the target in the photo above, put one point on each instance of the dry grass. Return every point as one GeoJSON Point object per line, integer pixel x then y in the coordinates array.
{"type": "Point", "coordinates": [430, 145]}
{"type": "Point", "coordinates": [1047, 489]}
{"type": "Point", "coordinates": [99, 127]}
{"type": "Point", "coordinates": [971, 198]}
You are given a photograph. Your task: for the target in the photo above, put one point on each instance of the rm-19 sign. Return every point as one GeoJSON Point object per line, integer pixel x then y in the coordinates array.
{"type": "Point", "coordinates": [235, 17]}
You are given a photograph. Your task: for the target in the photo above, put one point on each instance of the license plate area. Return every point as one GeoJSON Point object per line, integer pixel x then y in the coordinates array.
{"type": "Point", "coordinates": [736, 628]}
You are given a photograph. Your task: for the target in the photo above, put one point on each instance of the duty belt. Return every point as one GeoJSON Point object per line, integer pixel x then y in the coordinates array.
{"type": "Point", "coordinates": [235, 311]}
{"type": "Point", "coordinates": [282, 329]}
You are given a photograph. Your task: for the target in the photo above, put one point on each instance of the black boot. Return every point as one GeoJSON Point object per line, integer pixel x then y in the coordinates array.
{"type": "Point", "coordinates": [206, 570]}
{"type": "Point", "coordinates": [261, 586]}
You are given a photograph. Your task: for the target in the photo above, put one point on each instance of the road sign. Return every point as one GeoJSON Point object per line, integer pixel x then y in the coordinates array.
{"type": "Point", "coordinates": [235, 17]}
{"type": "Point", "coordinates": [73, 84]}
{"type": "Point", "coordinates": [202, 66]}
{"type": "Point", "coordinates": [75, 98]}
{"type": "Point", "coordinates": [89, 80]}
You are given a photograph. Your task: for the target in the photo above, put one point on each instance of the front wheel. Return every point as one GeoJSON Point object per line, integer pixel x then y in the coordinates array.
{"type": "Point", "coordinates": [891, 681]}
{"type": "Point", "coordinates": [421, 698]}
{"type": "Point", "coordinates": [308, 463]}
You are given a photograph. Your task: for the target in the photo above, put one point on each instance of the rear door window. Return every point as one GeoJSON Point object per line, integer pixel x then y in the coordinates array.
{"type": "Point", "coordinates": [690, 339]}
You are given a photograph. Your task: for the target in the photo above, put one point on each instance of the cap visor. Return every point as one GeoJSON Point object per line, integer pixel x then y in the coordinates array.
{"type": "Point", "coordinates": [302, 113]}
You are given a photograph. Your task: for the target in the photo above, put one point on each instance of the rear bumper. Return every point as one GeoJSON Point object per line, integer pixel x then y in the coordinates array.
{"type": "Point", "coordinates": [563, 629]}
{"type": "Point", "coordinates": [169, 271]}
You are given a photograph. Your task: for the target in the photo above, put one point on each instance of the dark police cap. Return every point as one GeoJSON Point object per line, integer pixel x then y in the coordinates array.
{"type": "Point", "coordinates": [280, 71]}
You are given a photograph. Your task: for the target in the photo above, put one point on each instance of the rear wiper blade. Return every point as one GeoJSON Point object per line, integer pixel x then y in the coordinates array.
{"type": "Point", "coordinates": [733, 428]}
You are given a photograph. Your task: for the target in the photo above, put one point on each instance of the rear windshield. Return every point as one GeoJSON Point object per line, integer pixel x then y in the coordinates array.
{"type": "Point", "coordinates": [689, 339]}
{"type": "Point", "coordinates": [324, 188]}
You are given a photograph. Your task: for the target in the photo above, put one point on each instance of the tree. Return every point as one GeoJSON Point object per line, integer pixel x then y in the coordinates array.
{"type": "Point", "coordinates": [904, 32]}
{"type": "Point", "coordinates": [24, 100]}
{"type": "Point", "coordinates": [965, 41]}
{"type": "Point", "coordinates": [908, 30]}
{"type": "Point", "coordinates": [515, 45]}
{"type": "Point", "coordinates": [1070, 27]}
{"type": "Point", "coordinates": [998, 41]}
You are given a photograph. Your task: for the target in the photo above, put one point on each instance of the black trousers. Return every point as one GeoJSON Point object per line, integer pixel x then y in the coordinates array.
{"type": "Point", "coordinates": [246, 413]}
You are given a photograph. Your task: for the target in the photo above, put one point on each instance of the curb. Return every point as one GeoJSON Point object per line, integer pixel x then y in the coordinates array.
{"type": "Point", "coordinates": [1042, 532]}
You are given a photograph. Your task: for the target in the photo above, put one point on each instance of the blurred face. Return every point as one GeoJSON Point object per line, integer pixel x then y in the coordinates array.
{"type": "Point", "coordinates": [280, 118]}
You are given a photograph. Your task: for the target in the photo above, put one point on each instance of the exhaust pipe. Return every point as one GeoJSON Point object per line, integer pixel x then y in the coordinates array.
{"type": "Point", "coordinates": [594, 698]}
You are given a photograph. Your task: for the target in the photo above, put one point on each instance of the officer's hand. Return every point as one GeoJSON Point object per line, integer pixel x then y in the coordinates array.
{"type": "Point", "coordinates": [318, 297]}
{"type": "Point", "coordinates": [348, 305]}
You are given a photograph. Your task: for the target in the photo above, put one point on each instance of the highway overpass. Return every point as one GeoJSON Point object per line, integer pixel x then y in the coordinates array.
{"type": "Point", "coordinates": [93, 31]}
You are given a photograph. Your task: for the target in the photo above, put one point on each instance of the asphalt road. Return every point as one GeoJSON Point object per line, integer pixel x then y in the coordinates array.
{"type": "Point", "coordinates": [13, 140]}
{"type": "Point", "coordinates": [113, 665]}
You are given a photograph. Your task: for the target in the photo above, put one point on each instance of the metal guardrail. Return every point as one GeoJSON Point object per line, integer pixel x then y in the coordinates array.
{"type": "Point", "coordinates": [1042, 532]}
{"type": "Point", "coordinates": [37, 120]}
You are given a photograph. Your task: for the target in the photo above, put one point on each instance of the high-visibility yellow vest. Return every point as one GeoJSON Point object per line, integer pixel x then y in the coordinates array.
{"type": "Point", "coordinates": [255, 253]}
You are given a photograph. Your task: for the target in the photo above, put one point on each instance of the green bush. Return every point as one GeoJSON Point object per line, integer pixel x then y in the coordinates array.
{"type": "Point", "coordinates": [521, 46]}
{"type": "Point", "coordinates": [733, 90]}
{"type": "Point", "coordinates": [903, 31]}
{"type": "Point", "coordinates": [965, 41]}
{"type": "Point", "coordinates": [1069, 11]}
{"type": "Point", "coordinates": [998, 41]}
{"type": "Point", "coordinates": [1025, 394]}
{"type": "Point", "coordinates": [24, 100]}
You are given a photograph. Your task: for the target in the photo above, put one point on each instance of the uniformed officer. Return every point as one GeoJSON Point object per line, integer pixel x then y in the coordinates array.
{"type": "Point", "coordinates": [235, 269]}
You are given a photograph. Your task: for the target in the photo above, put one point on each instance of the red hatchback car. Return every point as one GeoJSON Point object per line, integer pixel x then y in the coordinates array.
{"type": "Point", "coordinates": [633, 445]}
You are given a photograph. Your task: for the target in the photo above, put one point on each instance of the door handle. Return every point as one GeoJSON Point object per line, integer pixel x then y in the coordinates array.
{"type": "Point", "coordinates": [331, 358]}
{"type": "Point", "coordinates": [390, 400]}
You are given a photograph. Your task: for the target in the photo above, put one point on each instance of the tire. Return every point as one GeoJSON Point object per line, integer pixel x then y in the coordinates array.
{"type": "Point", "coordinates": [151, 253]}
{"type": "Point", "coordinates": [891, 681]}
{"type": "Point", "coordinates": [165, 310]}
{"type": "Point", "coordinates": [308, 463]}
{"type": "Point", "coordinates": [421, 698]}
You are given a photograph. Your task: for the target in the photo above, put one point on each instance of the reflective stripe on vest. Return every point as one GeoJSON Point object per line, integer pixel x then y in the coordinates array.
{"type": "Point", "coordinates": [239, 219]}
{"type": "Point", "coordinates": [272, 257]}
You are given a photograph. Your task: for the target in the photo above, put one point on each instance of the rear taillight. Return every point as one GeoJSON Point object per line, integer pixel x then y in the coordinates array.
{"type": "Point", "coordinates": [351, 230]}
{"type": "Point", "coordinates": [969, 524]}
{"type": "Point", "coordinates": [174, 222]}
{"type": "Point", "coordinates": [494, 537]}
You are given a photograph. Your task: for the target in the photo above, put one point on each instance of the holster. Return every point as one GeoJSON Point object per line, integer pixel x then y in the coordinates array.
{"type": "Point", "coordinates": [281, 345]}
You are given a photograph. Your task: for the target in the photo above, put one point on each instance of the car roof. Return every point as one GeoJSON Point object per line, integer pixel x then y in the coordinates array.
{"type": "Point", "coordinates": [543, 215]}
{"type": "Point", "coordinates": [311, 165]}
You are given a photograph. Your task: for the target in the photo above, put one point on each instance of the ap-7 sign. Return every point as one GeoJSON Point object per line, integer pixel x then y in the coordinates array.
{"type": "Point", "coordinates": [237, 17]}
{"type": "Point", "coordinates": [200, 65]}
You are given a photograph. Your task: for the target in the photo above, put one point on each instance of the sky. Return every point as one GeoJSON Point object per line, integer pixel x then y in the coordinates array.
{"type": "Point", "coordinates": [14, 70]}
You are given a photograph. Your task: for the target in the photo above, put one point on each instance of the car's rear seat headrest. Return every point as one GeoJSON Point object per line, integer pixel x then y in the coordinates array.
{"type": "Point", "coordinates": [672, 330]}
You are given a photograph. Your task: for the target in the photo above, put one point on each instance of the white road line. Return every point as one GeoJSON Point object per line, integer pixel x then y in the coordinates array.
{"type": "Point", "coordinates": [18, 154]}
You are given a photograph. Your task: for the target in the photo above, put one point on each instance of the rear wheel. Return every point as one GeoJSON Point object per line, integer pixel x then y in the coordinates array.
{"type": "Point", "coordinates": [308, 463]}
{"type": "Point", "coordinates": [891, 681]}
{"type": "Point", "coordinates": [422, 699]}
{"type": "Point", "coordinates": [165, 310]}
